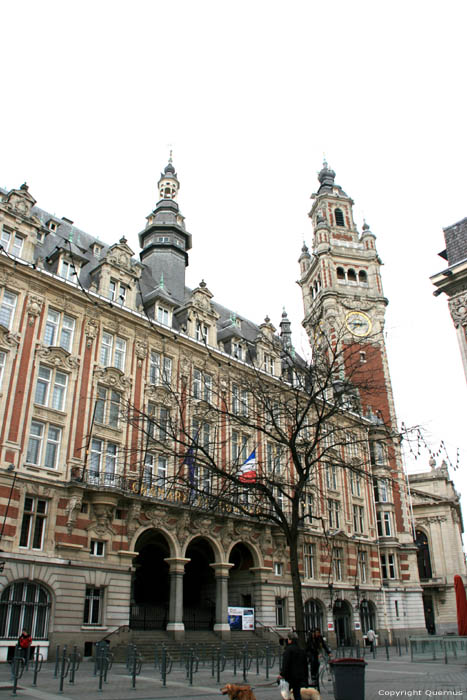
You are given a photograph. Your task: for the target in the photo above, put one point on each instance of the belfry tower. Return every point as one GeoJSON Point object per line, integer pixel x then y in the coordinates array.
{"type": "Point", "coordinates": [344, 302]}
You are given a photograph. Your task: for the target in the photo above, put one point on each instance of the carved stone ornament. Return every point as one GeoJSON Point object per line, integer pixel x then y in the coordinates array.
{"type": "Point", "coordinates": [8, 340]}
{"type": "Point", "coordinates": [112, 377]}
{"type": "Point", "coordinates": [141, 351]}
{"type": "Point", "coordinates": [247, 533]}
{"type": "Point", "coordinates": [104, 517]}
{"type": "Point", "coordinates": [359, 304]}
{"type": "Point", "coordinates": [431, 519]}
{"type": "Point", "coordinates": [227, 534]}
{"type": "Point", "coordinates": [58, 357]}
{"type": "Point", "coordinates": [91, 330]}
{"type": "Point", "coordinates": [72, 510]}
{"type": "Point", "coordinates": [133, 521]}
{"type": "Point", "coordinates": [158, 517]}
{"type": "Point", "coordinates": [159, 394]}
{"type": "Point", "coordinates": [201, 526]}
{"type": "Point", "coordinates": [279, 548]}
{"type": "Point", "coordinates": [34, 307]}
{"type": "Point", "coordinates": [458, 309]}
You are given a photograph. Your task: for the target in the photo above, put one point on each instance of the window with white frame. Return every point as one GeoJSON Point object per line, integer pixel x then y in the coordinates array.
{"type": "Point", "coordinates": [11, 242]}
{"type": "Point", "coordinates": [201, 332]}
{"type": "Point", "coordinates": [117, 292]}
{"type": "Point", "coordinates": [308, 506]}
{"type": "Point", "coordinates": [278, 568]}
{"type": "Point", "coordinates": [51, 388]}
{"type": "Point", "coordinates": [279, 496]}
{"type": "Point", "coordinates": [59, 330]}
{"type": "Point", "coordinates": [237, 350]}
{"type": "Point", "coordinates": [97, 548]}
{"type": "Point", "coordinates": [239, 447]}
{"type": "Point", "coordinates": [333, 513]}
{"type": "Point", "coordinates": [163, 315]}
{"type": "Point", "coordinates": [33, 523]}
{"type": "Point", "coordinates": [202, 385]}
{"type": "Point", "coordinates": [388, 566]}
{"type": "Point", "coordinates": [158, 422]}
{"type": "Point", "coordinates": [377, 452]}
{"type": "Point", "coordinates": [383, 523]}
{"type": "Point", "coordinates": [43, 445]}
{"type": "Point", "coordinates": [7, 307]}
{"type": "Point", "coordinates": [68, 270]}
{"type": "Point", "coordinates": [280, 606]}
{"type": "Point", "coordinates": [355, 484]}
{"type": "Point", "coordinates": [108, 403]}
{"type": "Point", "coordinates": [93, 604]}
{"type": "Point", "coordinates": [2, 365]}
{"type": "Point", "coordinates": [273, 460]}
{"type": "Point", "coordinates": [103, 460]}
{"type": "Point", "coordinates": [358, 519]}
{"type": "Point", "coordinates": [362, 566]}
{"type": "Point", "coordinates": [331, 477]}
{"type": "Point", "coordinates": [337, 560]}
{"type": "Point", "coordinates": [351, 448]}
{"type": "Point", "coordinates": [380, 488]}
{"type": "Point", "coordinates": [113, 350]}
{"type": "Point", "coordinates": [268, 363]}
{"type": "Point", "coordinates": [202, 436]}
{"type": "Point", "coordinates": [309, 558]}
{"type": "Point", "coordinates": [160, 369]}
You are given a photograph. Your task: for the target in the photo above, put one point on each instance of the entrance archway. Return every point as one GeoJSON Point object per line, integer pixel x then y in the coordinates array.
{"type": "Point", "coordinates": [367, 615]}
{"type": "Point", "coordinates": [150, 586]}
{"type": "Point", "coordinates": [199, 586]}
{"type": "Point", "coordinates": [342, 622]}
{"type": "Point", "coordinates": [239, 576]}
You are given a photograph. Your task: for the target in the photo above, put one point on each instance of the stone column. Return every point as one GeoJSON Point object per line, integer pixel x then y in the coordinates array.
{"type": "Point", "coordinates": [176, 571]}
{"type": "Point", "coordinates": [263, 598]}
{"type": "Point", "coordinates": [221, 571]}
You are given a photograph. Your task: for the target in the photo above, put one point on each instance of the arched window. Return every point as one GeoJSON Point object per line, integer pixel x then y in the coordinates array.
{"type": "Point", "coordinates": [362, 277]}
{"type": "Point", "coordinates": [367, 616]}
{"type": "Point", "coordinates": [351, 275]}
{"type": "Point", "coordinates": [340, 273]}
{"type": "Point", "coordinates": [339, 217]}
{"type": "Point", "coordinates": [24, 606]}
{"type": "Point", "coordinates": [423, 555]}
{"type": "Point", "coordinates": [313, 615]}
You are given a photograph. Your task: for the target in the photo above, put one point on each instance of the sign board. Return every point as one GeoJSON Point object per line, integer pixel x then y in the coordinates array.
{"type": "Point", "coordinates": [241, 618]}
{"type": "Point", "coordinates": [330, 626]}
{"type": "Point", "coordinates": [357, 625]}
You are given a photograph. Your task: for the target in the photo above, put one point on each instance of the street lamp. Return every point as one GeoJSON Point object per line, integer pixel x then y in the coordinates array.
{"type": "Point", "coordinates": [10, 468]}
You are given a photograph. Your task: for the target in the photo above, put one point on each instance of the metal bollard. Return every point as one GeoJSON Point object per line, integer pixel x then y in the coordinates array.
{"type": "Point", "coordinates": [218, 665]}
{"type": "Point", "coordinates": [245, 661]}
{"type": "Point", "coordinates": [63, 670]}
{"type": "Point", "coordinates": [164, 666]}
{"type": "Point", "coordinates": [267, 662]}
{"type": "Point", "coordinates": [38, 659]}
{"type": "Point", "coordinates": [386, 644]}
{"type": "Point", "coordinates": [257, 661]}
{"type": "Point", "coordinates": [399, 647]}
{"type": "Point", "coordinates": [57, 660]}
{"type": "Point", "coordinates": [75, 659]}
{"type": "Point", "coordinates": [17, 668]}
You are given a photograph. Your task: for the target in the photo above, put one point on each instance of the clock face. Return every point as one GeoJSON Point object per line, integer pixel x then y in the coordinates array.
{"type": "Point", "coordinates": [358, 323]}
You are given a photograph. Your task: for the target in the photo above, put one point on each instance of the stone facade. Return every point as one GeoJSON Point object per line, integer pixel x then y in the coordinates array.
{"type": "Point", "coordinates": [91, 538]}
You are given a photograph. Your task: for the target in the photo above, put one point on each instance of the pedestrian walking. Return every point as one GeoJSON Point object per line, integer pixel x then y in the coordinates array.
{"type": "Point", "coordinates": [24, 643]}
{"type": "Point", "coordinates": [371, 638]}
{"type": "Point", "coordinates": [294, 667]}
{"type": "Point", "coordinates": [315, 647]}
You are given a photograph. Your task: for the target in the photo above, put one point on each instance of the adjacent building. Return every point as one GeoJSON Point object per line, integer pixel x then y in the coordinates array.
{"type": "Point", "coordinates": [90, 538]}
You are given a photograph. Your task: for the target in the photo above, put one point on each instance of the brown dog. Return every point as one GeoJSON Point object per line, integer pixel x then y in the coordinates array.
{"type": "Point", "coordinates": [238, 692]}
{"type": "Point", "coordinates": [310, 694]}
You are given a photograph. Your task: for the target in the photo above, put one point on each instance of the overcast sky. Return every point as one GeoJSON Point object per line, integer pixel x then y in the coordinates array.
{"type": "Point", "coordinates": [250, 95]}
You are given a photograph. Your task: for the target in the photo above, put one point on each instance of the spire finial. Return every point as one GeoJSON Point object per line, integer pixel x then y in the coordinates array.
{"type": "Point", "coordinates": [170, 156]}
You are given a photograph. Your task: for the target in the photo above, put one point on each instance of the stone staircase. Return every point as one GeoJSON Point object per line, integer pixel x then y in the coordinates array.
{"type": "Point", "coordinates": [202, 642]}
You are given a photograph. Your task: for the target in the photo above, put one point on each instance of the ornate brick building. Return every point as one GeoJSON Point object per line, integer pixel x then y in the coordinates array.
{"type": "Point", "coordinates": [91, 540]}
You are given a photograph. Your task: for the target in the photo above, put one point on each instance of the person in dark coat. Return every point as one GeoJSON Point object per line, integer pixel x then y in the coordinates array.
{"type": "Point", "coordinates": [294, 667]}
{"type": "Point", "coordinates": [315, 646]}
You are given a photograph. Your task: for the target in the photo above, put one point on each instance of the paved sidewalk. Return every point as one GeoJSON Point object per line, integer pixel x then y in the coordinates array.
{"type": "Point", "coordinates": [396, 678]}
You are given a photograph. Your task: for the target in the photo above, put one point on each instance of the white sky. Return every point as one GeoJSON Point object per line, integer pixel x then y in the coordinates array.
{"type": "Point", "coordinates": [251, 95]}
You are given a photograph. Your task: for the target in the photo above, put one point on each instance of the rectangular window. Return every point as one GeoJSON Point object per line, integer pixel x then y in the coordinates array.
{"type": "Point", "coordinates": [103, 461]}
{"type": "Point", "coordinates": [337, 562]}
{"type": "Point", "coordinates": [383, 523]}
{"type": "Point", "coordinates": [11, 242]}
{"type": "Point", "coordinates": [268, 364]}
{"type": "Point", "coordinates": [309, 558]}
{"type": "Point", "coordinates": [201, 333]}
{"type": "Point", "coordinates": [117, 292]}
{"type": "Point", "coordinates": [280, 612]}
{"type": "Point", "coordinates": [113, 351]}
{"type": "Point", "coordinates": [107, 409]}
{"type": "Point", "coordinates": [308, 507]}
{"type": "Point", "coordinates": [331, 477]}
{"type": "Point", "coordinates": [51, 388]}
{"type": "Point", "coordinates": [273, 462]}
{"type": "Point", "coordinates": [380, 488]}
{"type": "Point", "coordinates": [358, 520]}
{"type": "Point", "coordinates": [43, 445]}
{"type": "Point", "coordinates": [93, 606]}
{"type": "Point", "coordinates": [388, 566]}
{"type": "Point", "coordinates": [33, 523]}
{"type": "Point", "coordinates": [69, 271]}
{"type": "Point", "coordinates": [59, 330]}
{"type": "Point", "coordinates": [333, 513]}
{"type": "Point", "coordinates": [355, 484]}
{"type": "Point", "coordinates": [2, 365]}
{"type": "Point", "coordinates": [163, 315]}
{"type": "Point", "coordinates": [278, 568]}
{"type": "Point", "coordinates": [160, 369]}
{"type": "Point", "coordinates": [7, 307]}
{"type": "Point", "coordinates": [237, 350]}
{"type": "Point", "coordinates": [239, 446]}
{"type": "Point", "coordinates": [362, 566]}
{"type": "Point", "coordinates": [97, 548]}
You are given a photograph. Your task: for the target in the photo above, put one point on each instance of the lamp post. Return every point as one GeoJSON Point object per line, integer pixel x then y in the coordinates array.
{"type": "Point", "coordinates": [10, 468]}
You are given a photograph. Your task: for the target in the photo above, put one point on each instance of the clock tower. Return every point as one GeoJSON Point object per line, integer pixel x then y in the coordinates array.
{"type": "Point", "coordinates": [344, 302]}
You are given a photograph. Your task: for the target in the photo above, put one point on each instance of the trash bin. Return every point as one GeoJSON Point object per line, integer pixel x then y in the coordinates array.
{"type": "Point", "coordinates": [348, 679]}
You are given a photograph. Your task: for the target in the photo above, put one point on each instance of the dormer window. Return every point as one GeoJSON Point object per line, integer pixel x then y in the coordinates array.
{"type": "Point", "coordinates": [201, 333]}
{"type": "Point", "coordinates": [268, 364]}
{"type": "Point", "coordinates": [237, 350]}
{"type": "Point", "coordinates": [339, 216]}
{"type": "Point", "coordinates": [163, 239]}
{"type": "Point", "coordinates": [117, 292]}
{"type": "Point", "coordinates": [40, 235]}
{"type": "Point", "coordinates": [11, 242]}
{"type": "Point", "coordinates": [97, 250]}
{"type": "Point", "coordinates": [52, 226]}
{"type": "Point", "coordinates": [68, 270]}
{"type": "Point", "coordinates": [163, 315]}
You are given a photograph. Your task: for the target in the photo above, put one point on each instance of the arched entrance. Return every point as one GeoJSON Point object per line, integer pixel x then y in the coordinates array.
{"type": "Point", "coordinates": [239, 577]}
{"type": "Point", "coordinates": [24, 605]}
{"type": "Point", "coordinates": [150, 587]}
{"type": "Point", "coordinates": [342, 619]}
{"type": "Point", "coordinates": [367, 615]}
{"type": "Point", "coordinates": [423, 555]}
{"type": "Point", "coordinates": [313, 615]}
{"type": "Point", "coordinates": [199, 586]}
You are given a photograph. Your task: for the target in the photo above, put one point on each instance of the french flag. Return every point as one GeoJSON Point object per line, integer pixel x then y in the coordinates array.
{"type": "Point", "coordinates": [247, 473]}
